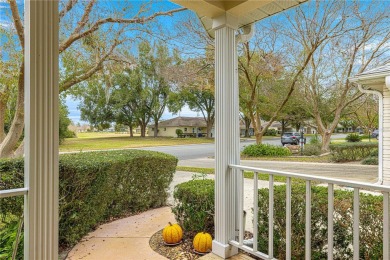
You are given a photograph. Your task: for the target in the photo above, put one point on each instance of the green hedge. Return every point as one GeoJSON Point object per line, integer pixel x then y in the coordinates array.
{"type": "Point", "coordinates": [351, 151]}
{"type": "Point", "coordinates": [194, 206]}
{"type": "Point", "coordinates": [96, 187]}
{"type": "Point", "coordinates": [371, 216]}
{"type": "Point", "coordinates": [258, 150]}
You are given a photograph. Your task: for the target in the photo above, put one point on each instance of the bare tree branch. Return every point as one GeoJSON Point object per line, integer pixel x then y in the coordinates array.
{"type": "Point", "coordinates": [139, 20]}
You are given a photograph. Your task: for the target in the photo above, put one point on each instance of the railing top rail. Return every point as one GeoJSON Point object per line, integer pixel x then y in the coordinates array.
{"type": "Point", "coordinates": [352, 184]}
{"type": "Point", "coordinates": [13, 192]}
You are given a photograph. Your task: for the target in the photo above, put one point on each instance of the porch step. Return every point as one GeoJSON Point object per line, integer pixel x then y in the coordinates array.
{"type": "Point", "coordinates": [240, 256]}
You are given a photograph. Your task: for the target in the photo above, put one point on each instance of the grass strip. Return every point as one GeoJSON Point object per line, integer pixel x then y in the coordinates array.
{"type": "Point", "coordinates": [247, 174]}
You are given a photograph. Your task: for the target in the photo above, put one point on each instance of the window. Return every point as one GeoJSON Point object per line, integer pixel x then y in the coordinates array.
{"type": "Point", "coordinates": [165, 129]}
{"type": "Point", "coordinates": [185, 129]}
{"type": "Point", "coordinates": [193, 130]}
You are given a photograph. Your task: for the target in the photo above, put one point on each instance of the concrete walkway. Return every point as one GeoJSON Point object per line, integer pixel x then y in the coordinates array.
{"type": "Point", "coordinates": [124, 239]}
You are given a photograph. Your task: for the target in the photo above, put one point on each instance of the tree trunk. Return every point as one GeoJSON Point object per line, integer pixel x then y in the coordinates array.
{"type": "Point", "coordinates": [15, 132]}
{"type": "Point", "coordinates": [155, 129]}
{"type": "Point", "coordinates": [131, 130]}
{"type": "Point", "coordinates": [209, 127]}
{"type": "Point", "coordinates": [326, 135]}
{"type": "Point", "coordinates": [247, 122]}
{"type": "Point", "coordinates": [259, 137]}
{"type": "Point", "coordinates": [2, 120]}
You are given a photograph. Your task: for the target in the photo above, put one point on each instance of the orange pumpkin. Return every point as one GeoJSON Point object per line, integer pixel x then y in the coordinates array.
{"type": "Point", "coordinates": [202, 242]}
{"type": "Point", "coordinates": [172, 234]}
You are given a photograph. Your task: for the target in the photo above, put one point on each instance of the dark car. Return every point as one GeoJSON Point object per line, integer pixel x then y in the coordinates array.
{"type": "Point", "coordinates": [291, 138]}
{"type": "Point", "coordinates": [375, 134]}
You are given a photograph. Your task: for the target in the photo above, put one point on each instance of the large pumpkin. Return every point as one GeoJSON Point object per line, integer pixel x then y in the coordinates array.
{"type": "Point", "coordinates": [172, 234]}
{"type": "Point", "coordinates": [202, 242]}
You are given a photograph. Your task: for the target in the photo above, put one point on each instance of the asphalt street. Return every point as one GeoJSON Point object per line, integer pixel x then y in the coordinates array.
{"type": "Point", "coordinates": [195, 151]}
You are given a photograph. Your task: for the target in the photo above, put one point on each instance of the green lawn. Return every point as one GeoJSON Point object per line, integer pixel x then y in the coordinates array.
{"type": "Point", "coordinates": [316, 159]}
{"type": "Point", "coordinates": [104, 141]}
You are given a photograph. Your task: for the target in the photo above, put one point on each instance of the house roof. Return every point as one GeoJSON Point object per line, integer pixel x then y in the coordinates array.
{"type": "Point", "coordinates": [374, 78]}
{"type": "Point", "coordinates": [182, 121]}
{"type": "Point", "coordinates": [246, 11]}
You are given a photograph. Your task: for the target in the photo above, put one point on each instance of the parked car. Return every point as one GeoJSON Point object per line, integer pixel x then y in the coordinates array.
{"type": "Point", "coordinates": [375, 134]}
{"type": "Point", "coordinates": [291, 138]}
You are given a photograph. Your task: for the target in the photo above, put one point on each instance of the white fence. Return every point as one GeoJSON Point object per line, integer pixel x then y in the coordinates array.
{"type": "Point", "coordinates": [308, 179]}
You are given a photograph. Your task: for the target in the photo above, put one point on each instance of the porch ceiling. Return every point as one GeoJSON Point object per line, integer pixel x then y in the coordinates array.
{"type": "Point", "coordinates": [246, 11]}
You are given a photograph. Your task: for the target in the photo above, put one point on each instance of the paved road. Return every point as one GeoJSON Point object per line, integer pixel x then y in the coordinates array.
{"type": "Point", "coordinates": [195, 151]}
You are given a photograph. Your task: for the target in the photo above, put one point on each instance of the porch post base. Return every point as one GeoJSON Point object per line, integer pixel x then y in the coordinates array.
{"type": "Point", "coordinates": [224, 251]}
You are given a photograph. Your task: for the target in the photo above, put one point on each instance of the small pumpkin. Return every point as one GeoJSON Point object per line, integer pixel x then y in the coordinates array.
{"type": "Point", "coordinates": [202, 242]}
{"type": "Point", "coordinates": [172, 234]}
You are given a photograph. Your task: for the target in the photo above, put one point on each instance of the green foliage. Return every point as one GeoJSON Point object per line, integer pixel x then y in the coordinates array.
{"type": "Point", "coordinates": [95, 187]}
{"type": "Point", "coordinates": [370, 223]}
{"type": "Point", "coordinates": [353, 137]}
{"type": "Point", "coordinates": [194, 205]}
{"type": "Point", "coordinates": [271, 132]}
{"type": "Point", "coordinates": [374, 152]}
{"type": "Point", "coordinates": [179, 132]}
{"type": "Point", "coordinates": [371, 160]}
{"type": "Point", "coordinates": [258, 150]}
{"type": "Point", "coordinates": [351, 151]}
{"type": "Point", "coordinates": [312, 149]}
{"type": "Point", "coordinates": [316, 139]}
{"type": "Point", "coordinates": [9, 236]}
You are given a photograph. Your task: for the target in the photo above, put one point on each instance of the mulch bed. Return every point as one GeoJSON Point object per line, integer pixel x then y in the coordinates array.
{"type": "Point", "coordinates": [183, 251]}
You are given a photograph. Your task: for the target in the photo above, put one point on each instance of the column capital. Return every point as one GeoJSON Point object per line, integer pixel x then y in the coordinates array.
{"type": "Point", "coordinates": [225, 20]}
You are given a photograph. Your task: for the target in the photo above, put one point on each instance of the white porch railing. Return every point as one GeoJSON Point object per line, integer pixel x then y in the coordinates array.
{"type": "Point", "coordinates": [357, 187]}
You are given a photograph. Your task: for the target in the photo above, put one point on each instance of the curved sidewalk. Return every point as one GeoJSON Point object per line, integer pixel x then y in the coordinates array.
{"type": "Point", "coordinates": [124, 239]}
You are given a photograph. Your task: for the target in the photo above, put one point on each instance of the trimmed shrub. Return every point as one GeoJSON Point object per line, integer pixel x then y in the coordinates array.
{"type": "Point", "coordinates": [371, 223]}
{"type": "Point", "coordinates": [271, 132]}
{"type": "Point", "coordinates": [179, 132]}
{"type": "Point", "coordinates": [312, 149]}
{"type": "Point", "coordinates": [371, 160]}
{"type": "Point", "coordinates": [353, 137]}
{"type": "Point", "coordinates": [194, 206]}
{"type": "Point", "coordinates": [316, 139]}
{"type": "Point", "coordinates": [258, 150]}
{"type": "Point", "coordinates": [96, 187]}
{"type": "Point", "coordinates": [351, 151]}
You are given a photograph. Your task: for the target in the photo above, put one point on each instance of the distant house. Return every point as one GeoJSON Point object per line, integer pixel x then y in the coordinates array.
{"type": "Point", "coordinates": [191, 126]}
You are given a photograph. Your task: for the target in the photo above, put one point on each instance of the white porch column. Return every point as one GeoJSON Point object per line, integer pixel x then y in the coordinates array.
{"type": "Point", "coordinates": [41, 129]}
{"type": "Point", "coordinates": [227, 135]}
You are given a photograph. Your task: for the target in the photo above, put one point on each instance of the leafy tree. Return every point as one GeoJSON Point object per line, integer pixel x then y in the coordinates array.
{"type": "Point", "coordinates": [358, 44]}
{"type": "Point", "coordinates": [96, 107]}
{"type": "Point", "coordinates": [90, 34]}
{"type": "Point", "coordinates": [64, 132]}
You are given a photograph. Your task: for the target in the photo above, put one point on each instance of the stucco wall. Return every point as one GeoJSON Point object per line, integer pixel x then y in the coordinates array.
{"type": "Point", "coordinates": [171, 131]}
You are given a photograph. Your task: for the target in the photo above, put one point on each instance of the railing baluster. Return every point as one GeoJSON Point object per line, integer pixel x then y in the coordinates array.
{"type": "Point", "coordinates": [356, 224]}
{"type": "Point", "coordinates": [308, 221]}
{"type": "Point", "coordinates": [288, 218]}
{"type": "Point", "coordinates": [241, 209]}
{"type": "Point", "coordinates": [330, 220]}
{"type": "Point", "coordinates": [357, 186]}
{"type": "Point", "coordinates": [386, 226]}
{"type": "Point", "coordinates": [255, 210]}
{"type": "Point", "coordinates": [271, 217]}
